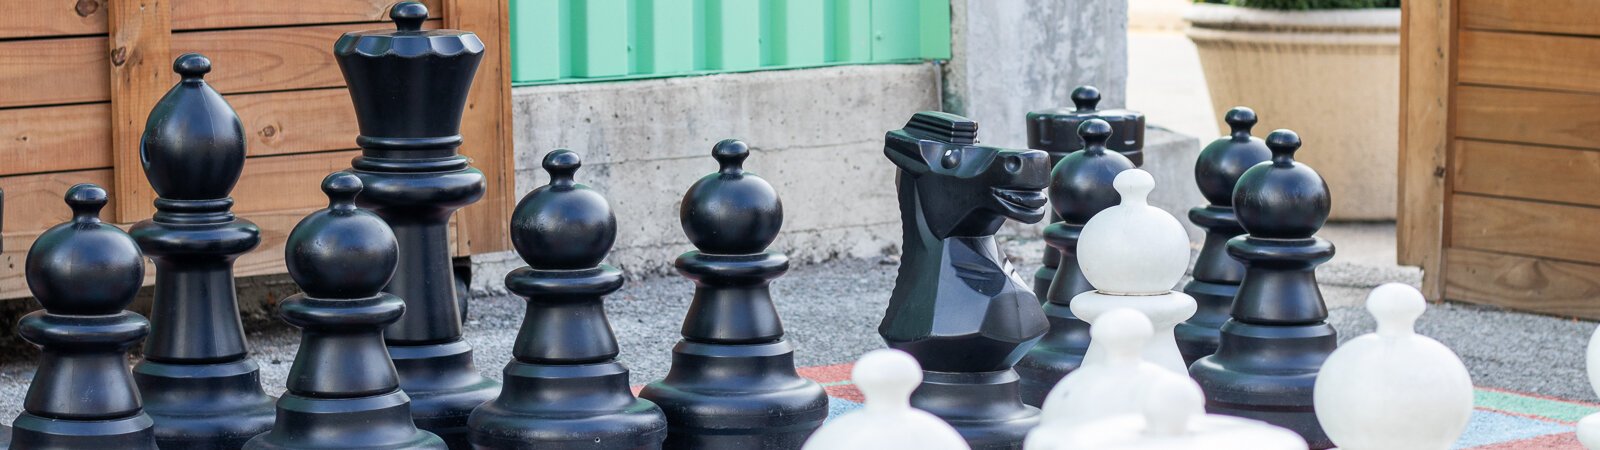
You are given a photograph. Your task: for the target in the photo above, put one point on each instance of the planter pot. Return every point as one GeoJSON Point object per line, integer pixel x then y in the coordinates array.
{"type": "Point", "coordinates": [1332, 75]}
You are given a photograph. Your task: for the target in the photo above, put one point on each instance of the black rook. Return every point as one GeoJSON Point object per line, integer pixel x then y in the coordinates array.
{"type": "Point", "coordinates": [410, 87]}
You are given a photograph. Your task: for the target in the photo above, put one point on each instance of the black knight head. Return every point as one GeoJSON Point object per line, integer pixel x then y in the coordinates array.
{"type": "Point", "coordinates": [965, 189]}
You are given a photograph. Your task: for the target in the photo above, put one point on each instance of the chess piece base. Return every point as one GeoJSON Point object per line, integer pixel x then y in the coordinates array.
{"type": "Point", "coordinates": [1268, 373]}
{"type": "Point", "coordinates": [1165, 312]}
{"type": "Point", "coordinates": [578, 407]}
{"type": "Point", "coordinates": [737, 397]}
{"type": "Point", "coordinates": [204, 406]}
{"type": "Point", "coordinates": [1057, 354]}
{"type": "Point", "coordinates": [985, 407]}
{"type": "Point", "coordinates": [443, 386]}
{"type": "Point", "coordinates": [1199, 336]}
{"type": "Point", "coordinates": [39, 433]}
{"type": "Point", "coordinates": [367, 423]}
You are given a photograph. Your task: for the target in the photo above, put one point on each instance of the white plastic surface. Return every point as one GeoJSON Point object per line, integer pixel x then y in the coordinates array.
{"type": "Point", "coordinates": [1173, 417]}
{"type": "Point", "coordinates": [887, 421]}
{"type": "Point", "coordinates": [1113, 385]}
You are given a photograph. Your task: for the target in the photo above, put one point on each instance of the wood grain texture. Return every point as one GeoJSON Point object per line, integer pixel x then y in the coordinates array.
{"type": "Point", "coordinates": [198, 14]}
{"type": "Point", "coordinates": [1530, 60]}
{"type": "Point", "coordinates": [1523, 227]}
{"type": "Point", "coordinates": [271, 59]}
{"type": "Point", "coordinates": [1534, 117]}
{"type": "Point", "coordinates": [1531, 172]}
{"type": "Point", "coordinates": [53, 72]}
{"type": "Point", "coordinates": [38, 18]}
{"type": "Point", "coordinates": [1426, 51]}
{"type": "Point", "coordinates": [287, 182]}
{"type": "Point", "coordinates": [1531, 284]}
{"type": "Point", "coordinates": [297, 121]}
{"type": "Point", "coordinates": [1545, 16]}
{"type": "Point", "coordinates": [140, 73]}
{"type": "Point", "coordinates": [486, 127]}
{"type": "Point", "coordinates": [34, 202]}
{"type": "Point", "coordinates": [55, 138]}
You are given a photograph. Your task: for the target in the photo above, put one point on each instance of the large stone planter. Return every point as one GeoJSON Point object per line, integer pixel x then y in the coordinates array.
{"type": "Point", "coordinates": [1331, 75]}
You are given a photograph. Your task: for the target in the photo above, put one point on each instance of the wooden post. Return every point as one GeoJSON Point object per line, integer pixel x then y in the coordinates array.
{"type": "Point", "coordinates": [141, 31]}
{"type": "Point", "coordinates": [1427, 45]}
{"type": "Point", "coordinates": [486, 127]}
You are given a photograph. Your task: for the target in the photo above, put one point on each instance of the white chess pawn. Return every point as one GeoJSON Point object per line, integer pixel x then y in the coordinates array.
{"type": "Point", "coordinates": [1589, 426]}
{"type": "Point", "coordinates": [1113, 385]}
{"type": "Point", "coordinates": [1174, 418]}
{"type": "Point", "coordinates": [1394, 389]}
{"type": "Point", "coordinates": [887, 421]}
{"type": "Point", "coordinates": [1133, 254]}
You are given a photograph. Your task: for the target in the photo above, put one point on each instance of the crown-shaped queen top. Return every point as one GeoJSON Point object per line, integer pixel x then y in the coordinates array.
{"type": "Point", "coordinates": [1133, 248]}
{"type": "Point", "coordinates": [731, 212]}
{"type": "Point", "coordinates": [1080, 183]}
{"type": "Point", "coordinates": [563, 225]}
{"type": "Point", "coordinates": [193, 146]}
{"type": "Point", "coordinates": [1224, 160]}
{"type": "Point", "coordinates": [85, 267]}
{"type": "Point", "coordinates": [1282, 199]}
{"type": "Point", "coordinates": [409, 82]}
{"type": "Point", "coordinates": [341, 251]}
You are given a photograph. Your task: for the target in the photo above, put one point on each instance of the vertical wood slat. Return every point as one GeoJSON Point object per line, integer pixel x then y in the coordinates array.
{"type": "Point", "coordinates": [1427, 33]}
{"type": "Point", "coordinates": [486, 127]}
{"type": "Point", "coordinates": [141, 33]}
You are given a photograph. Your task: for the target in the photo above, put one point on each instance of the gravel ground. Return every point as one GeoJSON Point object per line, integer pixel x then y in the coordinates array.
{"type": "Point", "coordinates": [831, 312]}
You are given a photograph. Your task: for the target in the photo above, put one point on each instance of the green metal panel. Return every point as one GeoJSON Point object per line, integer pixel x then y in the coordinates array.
{"type": "Point", "coordinates": [599, 38]}
{"type": "Point", "coordinates": [895, 30]}
{"type": "Point", "coordinates": [732, 34]}
{"type": "Point", "coordinates": [794, 33]}
{"type": "Point", "coordinates": [852, 31]}
{"type": "Point", "coordinates": [663, 36]}
{"type": "Point", "coordinates": [536, 40]}
{"type": "Point", "coordinates": [935, 29]}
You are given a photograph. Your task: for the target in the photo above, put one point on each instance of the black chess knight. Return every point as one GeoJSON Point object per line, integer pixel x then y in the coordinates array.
{"type": "Point", "coordinates": [958, 306]}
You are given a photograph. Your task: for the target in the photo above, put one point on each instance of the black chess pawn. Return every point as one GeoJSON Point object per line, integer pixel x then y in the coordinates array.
{"type": "Point", "coordinates": [958, 305]}
{"type": "Point", "coordinates": [85, 272]}
{"type": "Point", "coordinates": [1080, 186]}
{"type": "Point", "coordinates": [1273, 346]}
{"type": "Point", "coordinates": [564, 388]}
{"type": "Point", "coordinates": [343, 392]}
{"type": "Point", "coordinates": [1056, 132]}
{"type": "Point", "coordinates": [733, 384]}
{"type": "Point", "coordinates": [1217, 275]}
{"type": "Point", "coordinates": [410, 87]}
{"type": "Point", "coordinates": [197, 379]}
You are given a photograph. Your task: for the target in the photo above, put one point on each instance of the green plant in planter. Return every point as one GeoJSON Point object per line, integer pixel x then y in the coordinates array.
{"type": "Point", "coordinates": [1306, 4]}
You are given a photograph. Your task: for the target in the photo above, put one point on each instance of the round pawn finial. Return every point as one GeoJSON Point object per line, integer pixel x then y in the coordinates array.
{"type": "Point", "coordinates": [1240, 120]}
{"type": "Point", "coordinates": [1124, 333]}
{"type": "Point", "coordinates": [1086, 98]}
{"type": "Point", "coordinates": [1133, 248]}
{"type": "Point", "coordinates": [192, 66]}
{"type": "Point", "coordinates": [408, 16]}
{"type": "Point", "coordinates": [1171, 404]}
{"type": "Point", "coordinates": [563, 225]}
{"type": "Point", "coordinates": [1225, 159]}
{"type": "Point", "coordinates": [886, 378]}
{"type": "Point", "coordinates": [342, 251]}
{"type": "Point", "coordinates": [1396, 308]}
{"type": "Point", "coordinates": [1095, 133]}
{"type": "Point", "coordinates": [731, 212]}
{"type": "Point", "coordinates": [1285, 199]}
{"type": "Point", "coordinates": [1080, 183]}
{"type": "Point", "coordinates": [84, 267]}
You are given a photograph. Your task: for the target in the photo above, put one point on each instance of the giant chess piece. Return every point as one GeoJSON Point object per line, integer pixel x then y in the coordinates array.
{"type": "Point", "coordinates": [1080, 187]}
{"type": "Point", "coordinates": [197, 378]}
{"type": "Point", "coordinates": [1216, 275]}
{"type": "Point", "coordinates": [958, 305]}
{"type": "Point", "coordinates": [410, 87]}
{"type": "Point", "coordinates": [1056, 132]}
{"type": "Point", "coordinates": [1112, 384]}
{"type": "Point", "coordinates": [1589, 426]}
{"type": "Point", "coordinates": [564, 388]}
{"type": "Point", "coordinates": [1394, 388]}
{"type": "Point", "coordinates": [1172, 417]}
{"type": "Point", "coordinates": [733, 384]}
{"type": "Point", "coordinates": [85, 272]}
{"type": "Point", "coordinates": [886, 378]}
{"type": "Point", "coordinates": [1273, 346]}
{"type": "Point", "coordinates": [343, 392]}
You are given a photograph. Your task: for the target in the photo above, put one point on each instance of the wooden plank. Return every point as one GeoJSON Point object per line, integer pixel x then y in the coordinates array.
{"type": "Point", "coordinates": [54, 71]}
{"type": "Point", "coordinates": [1530, 284]}
{"type": "Point", "coordinates": [271, 59]}
{"type": "Point", "coordinates": [140, 73]}
{"type": "Point", "coordinates": [1530, 60]}
{"type": "Point", "coordinates": [287, 182]}
{"type": "Point", "coordinates": [35, 201]}
{"type": "Point", "coordinates": [1531, 172]}
{"type": "Point", "coordinates": [1525, 227]}
{"type": "Point", "coordinates": [1546, 16]}
{"type": "Point", "coordinates": [486, 127]}
{"type": "Point", "coordinates": [297, 121]}
{"type": "Point", "coordinates": [38, 18]}
{"type": "Point", "coordinates": [55, 138]}
{"type": "Point", "coordinates": [199, 14]}
{"type": "Point", "coordinates": [1535, 117]}
{"type": "Point", "coordinates": [1426, 50]}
